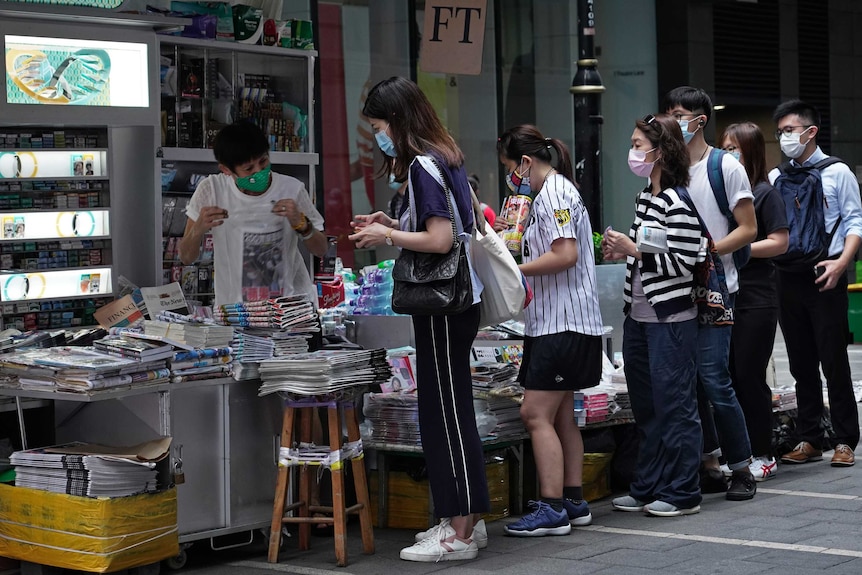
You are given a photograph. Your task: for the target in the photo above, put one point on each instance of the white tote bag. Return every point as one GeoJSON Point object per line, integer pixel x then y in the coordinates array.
{"type": "Point", "coordinates": [504, 294]}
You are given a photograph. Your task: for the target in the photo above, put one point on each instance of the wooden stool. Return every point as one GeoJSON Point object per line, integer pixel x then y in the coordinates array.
{"type": "Point", "coordinates": [304, 457]}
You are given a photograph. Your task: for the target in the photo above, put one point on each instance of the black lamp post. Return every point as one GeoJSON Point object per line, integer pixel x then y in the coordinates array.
{"type": "Point", "coordinates": [587, 91]}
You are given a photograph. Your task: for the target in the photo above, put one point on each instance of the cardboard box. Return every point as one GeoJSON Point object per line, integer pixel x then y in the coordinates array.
{"type": "Point", "coordinates": [408, 501]}
{"type": "Point", "coordinates": [596, 476]}
{"type": "Point", "coordinates": [87, 534]}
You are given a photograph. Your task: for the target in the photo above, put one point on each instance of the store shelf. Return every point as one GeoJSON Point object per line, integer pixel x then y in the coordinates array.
{"type": "Point", "coordinates": [58, 178]}
{"type": "Point", "coordinates": [86, 397]}
{"type": "Point", "coordinates": [49, 150]}
{"type": "Point", "coordinates": [206, 156]}
{"type": "Point", "coordinates": [90, 16]}
{"type": "Point", "coordinates": [237, 47]}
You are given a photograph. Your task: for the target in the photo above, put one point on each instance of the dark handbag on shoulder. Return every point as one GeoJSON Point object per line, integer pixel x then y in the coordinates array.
{"type": "Point", "coordinates": [709, 291]}
{"type": "Point", "coordinates": [433, 284]}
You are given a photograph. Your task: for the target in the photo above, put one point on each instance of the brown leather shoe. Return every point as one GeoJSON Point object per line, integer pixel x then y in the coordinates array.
{"type": "Point", "coordinates": [843, 456]}
{"type": "Point", "coordinates": [803, 453]}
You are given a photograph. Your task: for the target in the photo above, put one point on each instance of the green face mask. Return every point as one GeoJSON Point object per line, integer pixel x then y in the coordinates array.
{"type": "Point", "coordinates": [257, 183]}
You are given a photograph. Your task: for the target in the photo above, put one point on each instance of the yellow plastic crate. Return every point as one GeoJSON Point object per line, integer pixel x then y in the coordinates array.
{"type": "Point", "coordinates": [87, 534]}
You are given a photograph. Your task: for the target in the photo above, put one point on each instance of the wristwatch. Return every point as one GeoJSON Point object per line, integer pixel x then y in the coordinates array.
{"type": "Point", "coordinates": [389, 237]}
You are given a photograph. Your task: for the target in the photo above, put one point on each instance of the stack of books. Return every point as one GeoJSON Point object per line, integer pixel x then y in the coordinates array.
{"type": "Point", "coordinates": [323, 372]}
{"type": "Point", "coordinates": [89, 470]}
{"type": "Point", "coordinates": [79, 369]}
{"type": "Point", "coordinates": [135, 348]}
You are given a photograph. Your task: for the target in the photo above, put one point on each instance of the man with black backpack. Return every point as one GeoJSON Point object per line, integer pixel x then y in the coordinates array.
{"type": "Point", "coordinates": [721, 192]}
{"type": "Point", "coordinates": [824, 211]}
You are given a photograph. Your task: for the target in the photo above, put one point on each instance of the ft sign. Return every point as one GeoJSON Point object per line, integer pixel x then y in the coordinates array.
{"type": "Point", "coordinates": [452, 36]}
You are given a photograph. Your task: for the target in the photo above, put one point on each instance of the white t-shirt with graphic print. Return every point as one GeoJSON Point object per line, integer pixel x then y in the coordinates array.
{"type": "Point", "coordinates": [256, 252]}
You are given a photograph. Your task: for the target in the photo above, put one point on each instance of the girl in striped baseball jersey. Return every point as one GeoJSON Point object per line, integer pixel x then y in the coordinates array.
{"type": "Point", "coordinates": [563, 325]}
{"type": "Point", "coordinates": [660, 330]}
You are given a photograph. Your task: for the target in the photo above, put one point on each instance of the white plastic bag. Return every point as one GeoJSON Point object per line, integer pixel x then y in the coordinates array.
{"type": "Point", "coordinates": [504, 294]}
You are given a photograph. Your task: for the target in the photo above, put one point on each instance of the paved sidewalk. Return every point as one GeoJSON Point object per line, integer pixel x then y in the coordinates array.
{"type": "Point", "coordinates": [805, 520]}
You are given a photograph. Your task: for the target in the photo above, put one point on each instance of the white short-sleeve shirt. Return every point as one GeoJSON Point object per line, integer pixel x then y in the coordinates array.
{"type": "Point", "coordinates": [256, 252]}
{"type": "Point", "coordinates": [737, 187]}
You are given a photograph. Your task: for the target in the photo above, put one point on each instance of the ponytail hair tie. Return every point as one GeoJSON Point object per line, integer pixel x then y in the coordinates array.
{"type": "Point", "coordinates": [548, 142]}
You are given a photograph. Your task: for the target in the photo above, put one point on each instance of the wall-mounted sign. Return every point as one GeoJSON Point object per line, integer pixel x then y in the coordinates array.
{"type": "Point", "coordinates": [453, 35]}
{"type": "Point", "coordinates": [66, 71]}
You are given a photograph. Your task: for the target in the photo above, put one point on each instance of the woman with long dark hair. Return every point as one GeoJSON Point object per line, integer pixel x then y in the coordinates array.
{"type": "Point", "coordinates": [420, 151]}
{"type": "Point", "coordinates": [756, 309]}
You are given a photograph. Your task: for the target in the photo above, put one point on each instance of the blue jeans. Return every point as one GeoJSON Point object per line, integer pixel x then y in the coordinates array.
{"type": "Point", "coordinates": [713, 373]}
{"type": "Point", "coordinates": [660, 367]}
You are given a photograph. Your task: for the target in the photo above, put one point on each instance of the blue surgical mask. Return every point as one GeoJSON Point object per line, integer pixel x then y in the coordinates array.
{"type": "Point", "coordinates": [393, 184]}
{"type": "Point", "coordinates": [686, 135]}
{"type": "Point", "coordinates": [387, 146]}
{"type": "Point", "coordinates": [735, 154]}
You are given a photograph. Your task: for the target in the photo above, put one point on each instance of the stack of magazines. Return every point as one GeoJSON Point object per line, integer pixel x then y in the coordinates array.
{"type": "Point", "coordinates": [323, 372]}
{"type": "Point", "coordinates": [293, 313]}
{"type": "Point", "coordinates": [90, 470]}
{"type": "Point", "coordinates": [127, 345]}
{"type": "Point", "coordinates": [79, 369]}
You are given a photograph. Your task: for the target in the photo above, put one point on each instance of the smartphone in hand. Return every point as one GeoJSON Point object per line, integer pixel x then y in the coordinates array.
{"type": "Point", "coordinates": [819, 271]}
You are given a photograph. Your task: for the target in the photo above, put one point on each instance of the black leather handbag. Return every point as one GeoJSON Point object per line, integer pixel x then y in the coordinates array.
{"type": "Point", "coordinates": [433, 284]}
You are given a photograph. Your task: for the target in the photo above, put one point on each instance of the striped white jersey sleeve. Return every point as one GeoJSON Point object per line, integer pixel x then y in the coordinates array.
{"type": "Point", "coordinates": [567, 300]}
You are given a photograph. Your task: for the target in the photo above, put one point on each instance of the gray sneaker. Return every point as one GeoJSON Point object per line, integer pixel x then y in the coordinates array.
{"type": "Point", "coordinates": [664, 509]}
{"type": "Point", "coordinates": [628, 503]}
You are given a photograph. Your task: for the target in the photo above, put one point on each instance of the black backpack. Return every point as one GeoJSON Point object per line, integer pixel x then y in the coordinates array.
{"type": "Point", "coordinates": [801, 188]}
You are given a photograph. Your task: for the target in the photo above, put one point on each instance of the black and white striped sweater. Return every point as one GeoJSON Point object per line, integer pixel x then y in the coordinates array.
{"type": "Point", "coordinates": [667, 278]}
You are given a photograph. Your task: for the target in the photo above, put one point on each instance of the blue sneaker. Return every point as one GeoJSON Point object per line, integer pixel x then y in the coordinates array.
{"type": "Point", "coordinates": [542, 521]}
{"type": "Point", "coordinates": [578, 512]}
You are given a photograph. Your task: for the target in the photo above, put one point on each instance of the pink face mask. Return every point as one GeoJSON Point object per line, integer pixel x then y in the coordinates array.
{"type": "Point", "coordinates": [638, 164]}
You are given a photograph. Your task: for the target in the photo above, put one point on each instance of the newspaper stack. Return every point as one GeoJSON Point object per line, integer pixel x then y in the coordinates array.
{"type": "Point", "coordinates": [90, 470]}
{"type": "Point", "coordinates": [323, 372]}
{"type": "Point", "coordinates": [197, 335]}
{"type": "Point", "coordinates": [507, 411]}
{"type": "Point", "coordinates": [248, 347]}
{"type": "Point", "coordinates": [293, 313]}
{"type": "Point", "coordinates": [394, 417]}
{"type": "Point", "coordinates": [79, 369]}
{"type": "Point", "coordinates": [289, 343]}
{"type": "Point", "coordinates": [205, 363]}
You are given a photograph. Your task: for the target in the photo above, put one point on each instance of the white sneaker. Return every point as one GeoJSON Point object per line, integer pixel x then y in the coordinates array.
{"type": "Point", "coordinates": [763, 468]}
{"type": "Point", "coordinates": [445, 548]}
{"type": "Point", "coordinates": [479, 535]}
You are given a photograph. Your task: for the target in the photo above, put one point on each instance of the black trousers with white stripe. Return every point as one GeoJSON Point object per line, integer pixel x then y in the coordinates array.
{"type": "Point", "coordinates": [447, 422]}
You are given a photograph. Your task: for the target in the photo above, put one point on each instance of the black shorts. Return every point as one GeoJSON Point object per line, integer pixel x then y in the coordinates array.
{"type": "Point", "coordinates": [566, 361]}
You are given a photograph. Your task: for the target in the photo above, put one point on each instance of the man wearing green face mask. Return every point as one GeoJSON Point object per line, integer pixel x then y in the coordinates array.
{"type": "Point", "coordinates": [257, 218]}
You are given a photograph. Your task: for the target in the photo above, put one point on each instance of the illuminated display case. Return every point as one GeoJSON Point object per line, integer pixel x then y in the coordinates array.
{"type": "Point", "coordinates": [55, 226]}
{"type": "Point", "coordinates": [205, 85]}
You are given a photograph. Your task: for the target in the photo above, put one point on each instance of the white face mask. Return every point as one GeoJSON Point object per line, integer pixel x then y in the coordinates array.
{"type": "Point", "coordinates": [791, 145]}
